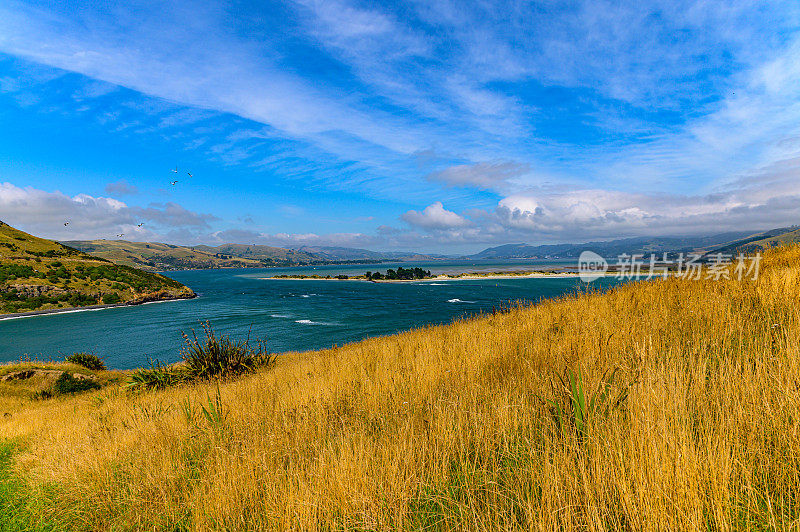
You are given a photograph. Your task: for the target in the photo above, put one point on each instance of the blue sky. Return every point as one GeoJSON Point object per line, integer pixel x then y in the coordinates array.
{"type": "Point", "coordinates": [434, 125]}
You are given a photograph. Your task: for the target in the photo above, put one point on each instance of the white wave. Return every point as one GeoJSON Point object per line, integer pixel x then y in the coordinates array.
{"type": "Point", "coordinates": [310, 322]}
{"type": "Point", "coordinates": [456, 300]}
{"type": "Point", "coordinates": [307, 295]}
{"type": "Point", "coordinates": [71, 311]}
{"type": "Point", "coordinates": [279, 316]}
{"type": "Point", "coordinates": [58, 312]}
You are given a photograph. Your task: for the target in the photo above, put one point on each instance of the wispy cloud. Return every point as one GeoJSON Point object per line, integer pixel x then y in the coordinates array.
{"type": "Point", "coordinates": [556, 120]}
{"type": "Point", "coordinates": [121, 188]}
{"type": "Point", "coordinates": [482, 175]}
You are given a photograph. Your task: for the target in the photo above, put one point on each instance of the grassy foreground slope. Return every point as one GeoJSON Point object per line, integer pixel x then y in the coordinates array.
{"type": "Point", "coordinates": [464, 426]}
{"type": "Point", "coordinates": [39, 274]}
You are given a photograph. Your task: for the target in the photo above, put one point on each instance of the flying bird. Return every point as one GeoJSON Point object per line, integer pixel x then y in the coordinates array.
{"type": "Point", "coordinates": [66, 224]}
{"type": "Point", "coordinates": [189, 174]}
{"type": "Point", "coordinates": [141, 224]}
{"type": "Point", "coordinates": [173, 183]}
{"type": "Point", "coordinates": [121, 234]}
{"type": "Point", "coordinates": [175, 171]}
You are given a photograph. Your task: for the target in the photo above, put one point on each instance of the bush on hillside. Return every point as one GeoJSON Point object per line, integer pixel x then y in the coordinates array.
{"type": "Point", "coordinates": [111, 298]}
{"type": "Point", "coordinates": [212, 357]}
{"type": "Point", "coordinates": [87, 360]}
{"type": "Point", "coordinates": [67, 384]}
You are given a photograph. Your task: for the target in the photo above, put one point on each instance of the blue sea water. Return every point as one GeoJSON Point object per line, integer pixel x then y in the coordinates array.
{"type": "Point", "coordinates": [289, 314]}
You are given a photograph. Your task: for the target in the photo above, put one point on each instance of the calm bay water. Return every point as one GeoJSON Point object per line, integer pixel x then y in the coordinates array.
{"type": "Point", "coordinates": [290, 314]}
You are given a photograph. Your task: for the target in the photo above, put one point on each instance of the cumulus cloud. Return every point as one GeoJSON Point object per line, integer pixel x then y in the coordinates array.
{"type": "Point", "coordinates": [121, 188]}
{"type": "Point", "coordinates": [44, 214]}
{"type": "Point", "coordinates": [435, 216]}
{"type": "Point", "coordinates": [762, 200]}
{"type": "Point", "coordinates": [483, 175]}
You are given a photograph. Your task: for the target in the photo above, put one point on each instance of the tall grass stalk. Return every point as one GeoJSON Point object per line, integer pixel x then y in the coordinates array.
{"type": "Point", "coordinates": [443, 428]}
{"type": "Point", "coordinates": [213, 356]}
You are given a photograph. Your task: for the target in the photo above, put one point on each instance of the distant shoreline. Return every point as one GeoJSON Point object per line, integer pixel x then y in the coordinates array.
{"type": "Point", "coordinates": [65, 310]}
{"type": "Point", "coordinates": [471, 276]}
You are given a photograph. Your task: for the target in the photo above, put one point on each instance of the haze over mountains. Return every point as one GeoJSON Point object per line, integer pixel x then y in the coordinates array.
{"type": "Point", "coordinates": [157, 256]}
{"type": "Point", "coordinates": [613, 248]}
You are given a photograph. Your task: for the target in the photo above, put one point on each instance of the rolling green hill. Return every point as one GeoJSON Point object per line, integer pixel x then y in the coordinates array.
{"type": "Point", "coordinates": [153, 256]}
{"type": "Point", "coordinates": [761, 241]}
{"type": "Point", "coordinates": [268, 255]}
{"type": "Point", "coordinates": [39, 274]}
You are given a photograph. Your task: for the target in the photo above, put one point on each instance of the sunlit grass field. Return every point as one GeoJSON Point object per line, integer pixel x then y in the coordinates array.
{"type": "Point", "coordinates": [660, 405]}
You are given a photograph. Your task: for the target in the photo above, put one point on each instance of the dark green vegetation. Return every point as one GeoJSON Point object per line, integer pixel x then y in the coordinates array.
{"type": "Point", "coordinates": [402, 274]}
{"type": "Point", "coordinates": [68, 384]}
{"type": "Point", "coordinates": [87, 360]}
{"type": "Point", "coordinates": [39, 274]}
{"type": "Point", "coordinates": [212, 357]}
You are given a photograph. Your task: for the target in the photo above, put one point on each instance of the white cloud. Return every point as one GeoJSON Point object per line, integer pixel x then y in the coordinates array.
{"type": "Point", "coordinates": [482, 175]}
{"type": "Point", "coordinates": [435, 216]}
{"type": "Point", "coordinates": [44, 214]}
{"type": "Point", "coordinates": [458, 83]}
{"type": "Point", "coordinates": [763, 200]}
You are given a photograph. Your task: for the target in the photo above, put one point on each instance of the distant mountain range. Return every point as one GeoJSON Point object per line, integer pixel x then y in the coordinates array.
{"type": "Point", "coordinates": [759, 241]}
{"type": "Point", "coordinates": [156, 256]}
{"type": "Point", "coordinates": [159, 257]}
{"type": "Point", "coordinates": [356, 254]}
{"type": "Point", "coordinates": [720, 243]}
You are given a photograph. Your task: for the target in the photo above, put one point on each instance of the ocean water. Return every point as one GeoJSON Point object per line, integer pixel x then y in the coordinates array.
{"type": "Point", "coordinates": [289, 314]}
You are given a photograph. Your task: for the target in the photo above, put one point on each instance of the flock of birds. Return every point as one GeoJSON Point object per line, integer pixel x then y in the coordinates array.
{"type": "Point", "coordinates": [175, 171]}
{"type": "Point", "coordinates": [173, 183]}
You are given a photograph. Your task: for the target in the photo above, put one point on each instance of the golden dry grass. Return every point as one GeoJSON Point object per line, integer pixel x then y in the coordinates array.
{"type": "Point", "coordinates": [446, 428]}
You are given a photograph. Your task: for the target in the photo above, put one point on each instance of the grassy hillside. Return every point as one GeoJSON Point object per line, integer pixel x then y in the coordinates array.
{"type": "Point", "coordinates": [761, 241]}
{"type": "Point", "coordinates": [159, 257]}
{"type": "Point", "coordinates": [39, 274]}
{"type": "Point", "coordinates": [270, 256]}
{"type": "Point", "coordinates": [684, 418]}
{"type": "Point", "coordinates": [153, 256]}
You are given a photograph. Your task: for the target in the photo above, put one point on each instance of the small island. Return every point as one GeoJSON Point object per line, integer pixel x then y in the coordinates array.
{"type": "Point", "coordinates": [400, 274]}
{"type": "Point", "coordinates": [418, 274]}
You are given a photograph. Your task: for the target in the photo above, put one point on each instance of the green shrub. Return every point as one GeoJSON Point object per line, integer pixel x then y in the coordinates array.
{"type": "Point", "coordinates": [576, 407]}
{"type": "Point", "coordinates": [110, 299]}
{"type": "Point", "coordinates": [87, 360]}
{"type": "Point", "coordinates": [157, 376]}
{"type": "Point", "coordinates": [66, 384]}
{"type": "Point", "coordinates": [204, 359]}
{"type": "Point", "coordinates": [221, 356]}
